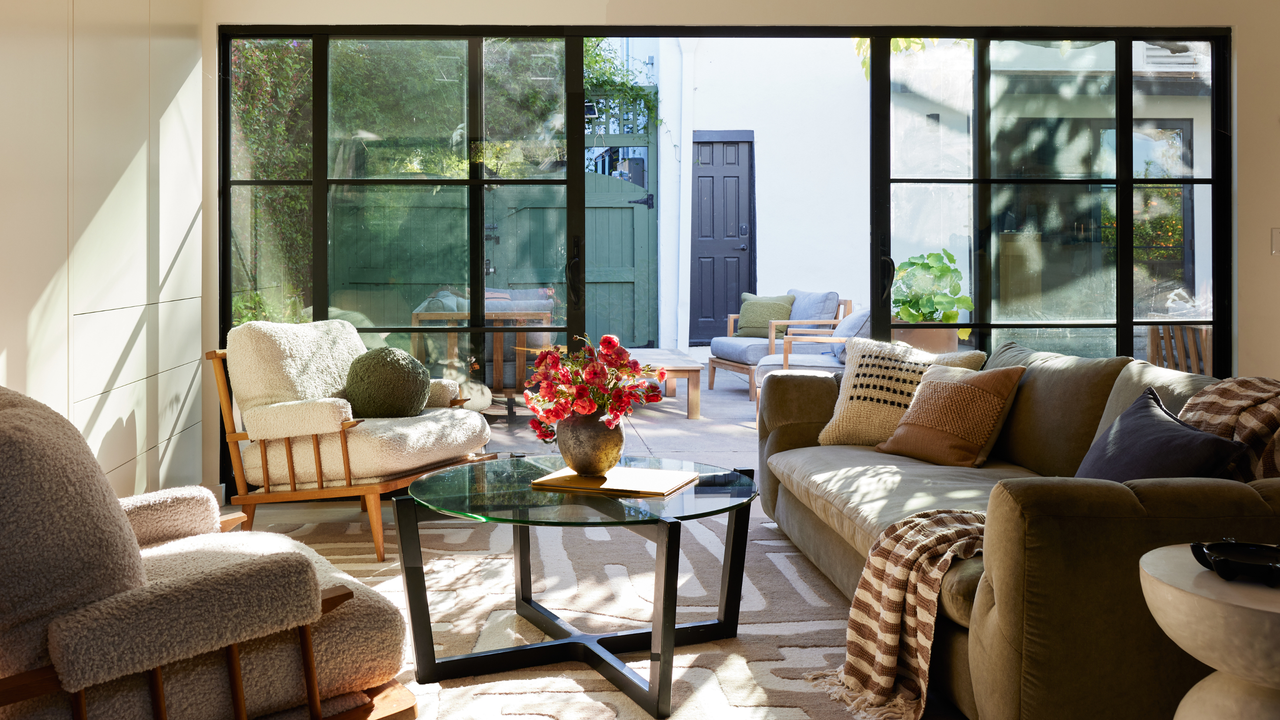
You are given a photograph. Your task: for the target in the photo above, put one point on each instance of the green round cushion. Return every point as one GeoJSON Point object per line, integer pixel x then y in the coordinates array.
{"type": "Point", "coordinates": [387, 382]}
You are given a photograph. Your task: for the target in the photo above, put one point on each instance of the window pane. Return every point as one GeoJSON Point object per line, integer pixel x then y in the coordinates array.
{"type": "Point", "coordinates": [1172, 252]}
{"type": "Point", "coordinates": [1051, 258]}
{"type": "Point", "coordinates": [523, 108]}
{"type": "Point", "coordinates": [398, 252]}
{"type": "Point", "coordinates": [1184, 347]}
{"type": "Point", "coordinates": [932, 247]}
{"type": "Point", "coordinates": [1051, 101]}
{"type": "Point", "coordinates": [270, 254]}
{"type": "Point", "coordinates": [1172, 109]}
{"type": "Point", "coordinates": [398, 108]}
{"type": "Point", "coordinates": [525, 255]}
{"type": "Point", "coordinates": [270, 109]}
{"type": "Point", "coordinates": [931, 97]}
{"type": "Point", "coordinates": [1085, 342]}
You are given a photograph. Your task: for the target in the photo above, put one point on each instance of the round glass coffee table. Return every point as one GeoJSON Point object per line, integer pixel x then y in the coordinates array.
{"type": "Point", "coordinates": [500, 491]}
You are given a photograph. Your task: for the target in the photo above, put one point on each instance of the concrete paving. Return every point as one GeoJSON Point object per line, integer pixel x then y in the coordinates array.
{"type": "Point", "coordinates": [725, 435]}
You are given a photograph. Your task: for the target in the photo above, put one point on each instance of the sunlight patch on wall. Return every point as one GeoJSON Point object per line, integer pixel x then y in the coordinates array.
{"type": "Point", "coordinates": [109, 259]}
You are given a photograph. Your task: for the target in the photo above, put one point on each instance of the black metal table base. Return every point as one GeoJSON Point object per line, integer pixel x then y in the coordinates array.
{"type": "Point", "coordinates": [566, 643]}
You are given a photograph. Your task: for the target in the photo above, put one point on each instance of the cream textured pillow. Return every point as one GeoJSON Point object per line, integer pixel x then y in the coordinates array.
{"type": "Point", "coordinates": [879, 382]}
{"type": "Point", "coordinates": [955, 415]}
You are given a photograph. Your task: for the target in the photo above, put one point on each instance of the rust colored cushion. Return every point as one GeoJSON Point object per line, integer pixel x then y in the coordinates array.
{"type": "Point", "coordinates": [955, 415]}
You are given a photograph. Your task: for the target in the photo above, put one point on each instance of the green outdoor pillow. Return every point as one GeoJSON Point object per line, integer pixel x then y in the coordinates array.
{"type": "Point", "coordinates": [387, 382]}
{"type": "Point", "coordinates": [757, 312]}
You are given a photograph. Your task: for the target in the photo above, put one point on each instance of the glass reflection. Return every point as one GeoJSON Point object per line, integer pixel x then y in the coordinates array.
{"type": "Point", "coordinates": [523, 109]}
{"type": "Point", "coordinates": [1053, 258]}
{"type": "Point", "coordinates": [1051, 101]}
{"type": "Point", "coordinates": [398, 108]}
{"type": "Point", "coordinates": [1172, 108]}
{"type": "Point", "coordinates": [931, 101]}
{"type": "Point", "coordinates": [270, 254]}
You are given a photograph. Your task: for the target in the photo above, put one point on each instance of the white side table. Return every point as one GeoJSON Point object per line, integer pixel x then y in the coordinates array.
{"type": "Point", "coordinates": [1231, 626]}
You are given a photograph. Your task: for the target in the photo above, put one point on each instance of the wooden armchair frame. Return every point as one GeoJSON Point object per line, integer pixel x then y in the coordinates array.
{"type": "Point", "coordinates": [1188, 348]}
{"type": "Point", "coordinates": [843, 309]}
{"type": "Point", "coordinates": [369, 494]}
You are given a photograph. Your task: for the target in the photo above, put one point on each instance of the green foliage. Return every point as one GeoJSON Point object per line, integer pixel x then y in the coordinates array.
{"type": "Point", "coordinates": [607, 79]}
{"type": "Point", "coordinates": [926, 288]}
{"type": "Point", "coordinates": [862, 46]}
{"type": "Point", "coordinates": [1158, 234]}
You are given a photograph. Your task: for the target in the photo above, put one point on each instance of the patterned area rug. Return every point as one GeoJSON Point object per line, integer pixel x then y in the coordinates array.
{"type": "Point", "coordinates": [601, 580]}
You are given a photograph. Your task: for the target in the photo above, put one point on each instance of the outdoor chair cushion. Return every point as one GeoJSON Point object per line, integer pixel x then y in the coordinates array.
{"type": "Point", "coordinates": [749, 351]}
{"type": "Point", "coordinates": [379, 447]}
{"type": "Point", "coordinates": [814, 305]}
{"type": "Point", "coordinates": [757, 313]}
{"type": "Point", "coordinates": [803, 361]}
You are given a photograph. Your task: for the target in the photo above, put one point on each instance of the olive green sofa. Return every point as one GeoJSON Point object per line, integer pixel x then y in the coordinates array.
{"type": "Point", "coordinates": [1049, 622]}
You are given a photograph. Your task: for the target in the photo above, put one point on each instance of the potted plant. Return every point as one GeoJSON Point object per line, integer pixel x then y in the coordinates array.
{"type": "Point", "coordinates": [926, 289]}
{"type": "Point", "coordinates": [581, 397]}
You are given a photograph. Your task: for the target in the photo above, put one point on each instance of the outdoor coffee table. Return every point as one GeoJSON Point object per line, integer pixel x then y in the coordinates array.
{"type": "Point", "coordinates": [678, 365]}
{"type": "Point", "coordinates": [499, 491]}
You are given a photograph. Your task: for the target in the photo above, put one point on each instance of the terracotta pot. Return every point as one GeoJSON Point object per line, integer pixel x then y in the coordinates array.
{"type": "Point", "coordinates": [934, 340]}
{"type": "Point", "coordinates": [588, 446]}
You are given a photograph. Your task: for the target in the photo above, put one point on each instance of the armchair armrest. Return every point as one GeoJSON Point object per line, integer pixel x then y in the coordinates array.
{"type": "Point", "coordinates": [733, 319]}
{"type": "Point", "coordinates": [1061, 598]}
{"type": "Point", "coordinates": [163, 622]}
{"type": "Point", "coordinates": [443, 393]}
{"type": "Point", "coordinates": [814, 338]}
{"type": "Point", "coordinates": [786, 325]}
{"type": "Point", "coordinates": [294, 419]}
{"type": "Point", "coordinates": [171, 514]}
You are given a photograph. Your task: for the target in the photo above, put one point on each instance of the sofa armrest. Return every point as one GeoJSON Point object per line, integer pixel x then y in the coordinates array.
{"type": "Point", "coordinates": [296, 419]}
{"type": "Point", "coordinates": [786, 327]}
{"type": "Point", "coordinates": [1060, 627]}
{"type": "Point", "coordinates": [794, 407]}
{"type": "Point", "coordinates": [171, 514]}
{"type": "Point", "coordinates": [163, 622]}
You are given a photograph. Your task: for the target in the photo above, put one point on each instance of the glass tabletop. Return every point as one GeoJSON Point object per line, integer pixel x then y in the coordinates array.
{"type": "Point", "coordinates": [499, 491]}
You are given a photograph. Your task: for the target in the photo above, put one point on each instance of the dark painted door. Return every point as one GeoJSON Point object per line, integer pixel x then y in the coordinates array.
{"type": "Point", "coordinates": [723, 228]}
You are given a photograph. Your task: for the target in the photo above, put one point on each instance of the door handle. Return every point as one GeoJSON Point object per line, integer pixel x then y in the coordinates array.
{"type": "Point", "coordinates": [741, 247]}
{"type": "Point", "coordinates": [887, 280]}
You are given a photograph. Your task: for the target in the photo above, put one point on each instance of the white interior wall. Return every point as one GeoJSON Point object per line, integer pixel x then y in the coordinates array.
{"type": "Point", "coordinates": [99, 224]}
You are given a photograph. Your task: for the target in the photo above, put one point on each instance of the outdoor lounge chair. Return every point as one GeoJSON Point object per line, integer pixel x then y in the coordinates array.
{"type": "Point", "coordinates": [288, 381]}
{"type": "Point", "coordinates": [140, 608]}
{"type": "Point", "coordinates": [742, 354]}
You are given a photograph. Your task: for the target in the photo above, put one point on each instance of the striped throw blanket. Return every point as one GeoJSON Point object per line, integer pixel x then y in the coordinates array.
{"type": "Point", "coordinates": [1245, 409]}
{"type": "Point", "coordinates": [891, 622]}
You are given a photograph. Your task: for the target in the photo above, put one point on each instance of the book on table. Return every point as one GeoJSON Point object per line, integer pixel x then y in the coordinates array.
{"type": "Point", "coordinates": [631, 481]}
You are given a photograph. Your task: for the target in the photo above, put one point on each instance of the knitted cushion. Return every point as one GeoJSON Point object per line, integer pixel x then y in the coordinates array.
{"type": "Point", "coordinates": [757, 312]}
{"type": "Point", "coordinates": [387, 382]}
{"type": "Point", "coordinates": [879, 382]}
{"type": "Point", "coordinates": [955, 415]}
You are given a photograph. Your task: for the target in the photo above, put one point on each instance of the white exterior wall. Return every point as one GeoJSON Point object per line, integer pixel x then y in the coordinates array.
{"type": "Point", "coordinates": [100, 227]}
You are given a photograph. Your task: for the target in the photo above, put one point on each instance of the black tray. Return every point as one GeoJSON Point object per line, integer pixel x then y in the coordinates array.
{"type": "Point", "coordinates": [1231, 560]}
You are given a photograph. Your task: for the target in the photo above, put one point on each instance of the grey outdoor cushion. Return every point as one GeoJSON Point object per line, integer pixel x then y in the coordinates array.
{"type": "Point", "coordinates": [814, 305]}
{"type": "Point", "coordinates": [803, 361]}
{"type": "Point", "coordinates": [748, 350]}
{"type": "Point", "coordinates": [857, 324]}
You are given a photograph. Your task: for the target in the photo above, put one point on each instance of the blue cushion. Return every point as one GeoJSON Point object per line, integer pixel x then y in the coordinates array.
{"type": "Point", "coordinates": [814, 305]}
{"type": "Point", "coordinates": [745, 350]}
{"type": "Point", "coordinates": [808, 361]}
{"type": "Point", "coordinates": [1147, 441]}
{"type": "Point", "coordinates": [856, 325]}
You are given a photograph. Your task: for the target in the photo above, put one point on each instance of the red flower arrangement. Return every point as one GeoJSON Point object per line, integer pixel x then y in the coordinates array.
{"type": "Point", "coordinates": [586, 381]}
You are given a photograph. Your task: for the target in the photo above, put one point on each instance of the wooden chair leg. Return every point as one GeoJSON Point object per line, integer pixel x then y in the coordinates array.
{"type": "Point", "coordinates": [374, 504]}
{"type": "Point", "coordinates": [711, 376]}
{"type": "Point", "coordinates": [364, 504]}
{"type": "Point", "coordinates": [248, 511]}
{"type": "Point", "coordinates": [751, 383]}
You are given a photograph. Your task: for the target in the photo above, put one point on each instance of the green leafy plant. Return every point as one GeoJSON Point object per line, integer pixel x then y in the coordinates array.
{"type": "Point", "coordinates": [926, 288]}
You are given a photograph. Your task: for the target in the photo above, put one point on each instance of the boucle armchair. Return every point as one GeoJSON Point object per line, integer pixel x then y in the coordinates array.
{"type": "Point", "coordinates": [141, 608]}
{"type": "Point", "coordinates": [303, 443]}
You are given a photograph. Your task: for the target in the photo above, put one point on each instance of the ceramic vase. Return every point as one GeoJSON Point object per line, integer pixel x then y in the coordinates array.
{"type": "Point", "coordinates": [588, 446]}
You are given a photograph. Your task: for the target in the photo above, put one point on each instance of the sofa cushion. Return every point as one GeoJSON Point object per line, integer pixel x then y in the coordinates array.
{"type": "Point", "coordinates": [280, 362]}
{"type": "Point", "coordinates": [757, 312]}
{"type": "Point", "coordinates": [1175, 388]}
{"type": "Point", "coordinates": [814, 305]}
{"type": "Point", "coordinates": [745, 350]}
{"type": "Point", "coordinates": [955, 416]}
{"type": "Point", "coordinates": [1056, 412]}
{"type": "Point", "coordinates": [959, 588]}
{"type": "Point", "coordinates": [859, 492]}
{"type": "Point", "coordinates": [1147, 441]}
{"type": "Point", "coordinates": [877, 387]}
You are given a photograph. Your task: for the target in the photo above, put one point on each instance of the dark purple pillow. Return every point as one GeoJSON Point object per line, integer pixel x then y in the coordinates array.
{"type": "Point", "coordinates": [1147, 441]}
